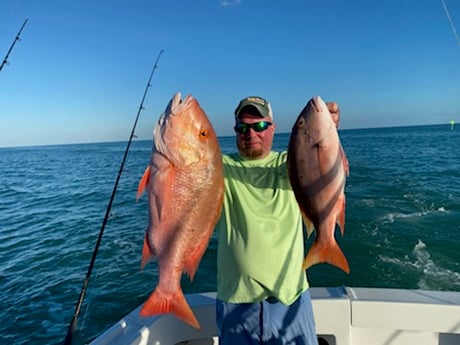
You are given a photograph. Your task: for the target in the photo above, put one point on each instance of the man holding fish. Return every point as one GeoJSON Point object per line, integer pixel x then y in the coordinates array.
{"type": "Point", "coordinates": [262, 290]}
{"type": "Point", "coordinates": [259, 199]}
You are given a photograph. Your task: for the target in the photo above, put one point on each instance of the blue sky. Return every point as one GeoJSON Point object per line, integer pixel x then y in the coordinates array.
{"type": "Point", "coordinates": [80, 69]}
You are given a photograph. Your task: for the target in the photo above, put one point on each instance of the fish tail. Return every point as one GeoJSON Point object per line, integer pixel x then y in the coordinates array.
{"type": "Point", "coordinates": [175, 303]}
{"type": "Point", "coordinates": [331, 254]}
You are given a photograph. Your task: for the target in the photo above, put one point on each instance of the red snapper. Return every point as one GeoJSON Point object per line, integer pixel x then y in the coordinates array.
{"type": "Point", "coordinates": [185, 186]}
{"type": "Point", "coordinates": [318, 168]}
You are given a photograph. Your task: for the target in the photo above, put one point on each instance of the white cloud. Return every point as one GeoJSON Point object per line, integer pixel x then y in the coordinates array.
{"type": "Point", "coordinates": [227, 3]}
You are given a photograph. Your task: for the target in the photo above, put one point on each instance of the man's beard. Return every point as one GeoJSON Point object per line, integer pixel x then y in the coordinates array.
{"type": "Point", "coordinates": [253, 153]}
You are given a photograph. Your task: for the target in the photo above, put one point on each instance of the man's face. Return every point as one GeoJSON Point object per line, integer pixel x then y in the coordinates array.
{"type": "Point", "coordinates": [253, 144]}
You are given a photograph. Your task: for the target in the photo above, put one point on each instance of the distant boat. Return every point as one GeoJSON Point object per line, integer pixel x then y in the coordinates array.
{"type": "Point", "coordinates": [452, 124]}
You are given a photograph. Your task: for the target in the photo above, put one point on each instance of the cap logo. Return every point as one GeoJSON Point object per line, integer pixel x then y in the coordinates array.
{"type": "Point", "coordinates": [256, 100]}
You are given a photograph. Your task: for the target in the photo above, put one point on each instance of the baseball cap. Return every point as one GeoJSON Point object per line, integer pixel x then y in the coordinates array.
{"type": "Point", "coordinates": [262, 106]}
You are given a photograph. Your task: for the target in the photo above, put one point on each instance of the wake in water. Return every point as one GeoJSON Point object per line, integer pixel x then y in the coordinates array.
{"type": "Point", "coordinates": [391, 217]}
{"type": "Point", "coordinates": [433, 276]}
{"type": "Point", "coordinates": [427, 273]}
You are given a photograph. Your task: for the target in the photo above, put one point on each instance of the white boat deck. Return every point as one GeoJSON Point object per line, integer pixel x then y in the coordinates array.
{"type": "Point", "coordinates": [344, 316]}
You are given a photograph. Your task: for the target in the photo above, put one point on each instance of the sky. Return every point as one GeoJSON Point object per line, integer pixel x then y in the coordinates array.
{"type": "Point", "coordinates": [81, 67]}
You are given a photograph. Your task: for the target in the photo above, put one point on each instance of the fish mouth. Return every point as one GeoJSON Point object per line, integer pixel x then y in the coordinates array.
{"type": "Point", "coordinates": [170, 128]}
{"type": "Point", "coordinates": [317, 103]}
{"type": "Point", "coordinates": [174, 103]}
{"type": "Point", "coordinates": [175, 108]}
{"type": "Point", "coordinates": [170, 110]}
{"type": "Point", "coordinates": [160, 129]}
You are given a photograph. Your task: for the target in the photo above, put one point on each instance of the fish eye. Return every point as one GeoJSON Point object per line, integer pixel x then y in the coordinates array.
{"type": "Point", "coordinates": [204, 133]}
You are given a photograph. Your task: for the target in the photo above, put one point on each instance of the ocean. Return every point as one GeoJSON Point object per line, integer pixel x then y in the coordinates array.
{"type": "Point", "coordinates": [402, 227]}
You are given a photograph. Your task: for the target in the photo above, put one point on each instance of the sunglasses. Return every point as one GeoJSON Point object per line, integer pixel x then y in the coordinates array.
{"type": "Point", "coordinates": [243, 128]}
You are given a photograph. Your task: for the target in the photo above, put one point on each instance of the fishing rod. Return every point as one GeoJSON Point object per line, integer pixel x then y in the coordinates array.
{"type": "Point", "coordinates": [451, 22]}
{"type": "Point", "coordinates": [73, 323]}
{"type": "Point", "coordinates": [5, 60]}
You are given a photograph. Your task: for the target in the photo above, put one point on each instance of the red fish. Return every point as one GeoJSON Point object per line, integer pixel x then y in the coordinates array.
{"type": "Point", "coordinates": [185, 187]}
{"type": "Point", "coordinates": [318, 168]}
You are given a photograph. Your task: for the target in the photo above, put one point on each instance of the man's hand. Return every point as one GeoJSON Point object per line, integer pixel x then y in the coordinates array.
{"type": "Point", "coordinates": [335, 112]}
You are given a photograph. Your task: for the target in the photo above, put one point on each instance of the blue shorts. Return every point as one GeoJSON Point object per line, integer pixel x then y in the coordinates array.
{"type": "Point", "coordinates": [267, 322]}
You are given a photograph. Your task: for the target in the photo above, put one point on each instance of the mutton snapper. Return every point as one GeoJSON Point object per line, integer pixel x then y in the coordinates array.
{"type": "Point", "coordinates": [317, 168]}
{"type": "Point", "coordinates": [185, 187]}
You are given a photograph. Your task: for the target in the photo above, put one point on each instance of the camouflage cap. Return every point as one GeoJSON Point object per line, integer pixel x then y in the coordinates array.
{"type": "Point", "coordinates": [262, 106]}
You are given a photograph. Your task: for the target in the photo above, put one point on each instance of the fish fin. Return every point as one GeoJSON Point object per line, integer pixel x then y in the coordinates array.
{"type": "Point", "coordinates": [341, 214]}
{"type": "Point", "coordinates": [308, 224]}
{"type": "Point", "coordinates": [147, 253]}
{"type": "Point", "coordinates": [331, 254]}
{"type": "Point", "coordinates": [160, 302]}
{"type": "Point", "coordinates": [346, 165]}
{"type": "Point", "coordinates": [143, 183]}
{"type": "Point", "coordinates": [193, 260]}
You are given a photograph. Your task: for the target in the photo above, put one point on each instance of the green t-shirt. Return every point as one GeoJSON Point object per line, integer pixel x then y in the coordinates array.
{"type": "Point", "coordinates": [260, 243]}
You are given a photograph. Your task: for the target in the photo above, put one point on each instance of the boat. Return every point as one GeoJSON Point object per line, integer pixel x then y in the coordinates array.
{"type": "Point", "coordinates": [343, 315]}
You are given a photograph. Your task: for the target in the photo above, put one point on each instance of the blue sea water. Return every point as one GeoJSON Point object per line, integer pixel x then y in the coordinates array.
{"type": "Point", "coordinates": [402, 227]}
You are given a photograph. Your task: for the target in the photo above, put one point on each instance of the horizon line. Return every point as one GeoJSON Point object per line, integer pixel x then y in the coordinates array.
{"type": "Point", "coordinates": [219, 136]}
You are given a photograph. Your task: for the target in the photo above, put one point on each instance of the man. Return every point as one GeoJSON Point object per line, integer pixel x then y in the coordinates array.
{"type": "Point", "coordinates": [262, 292]}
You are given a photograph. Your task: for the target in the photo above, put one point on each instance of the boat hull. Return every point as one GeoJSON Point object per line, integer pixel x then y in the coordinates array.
{"type": "Point", "coordinates": [343, 315]}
